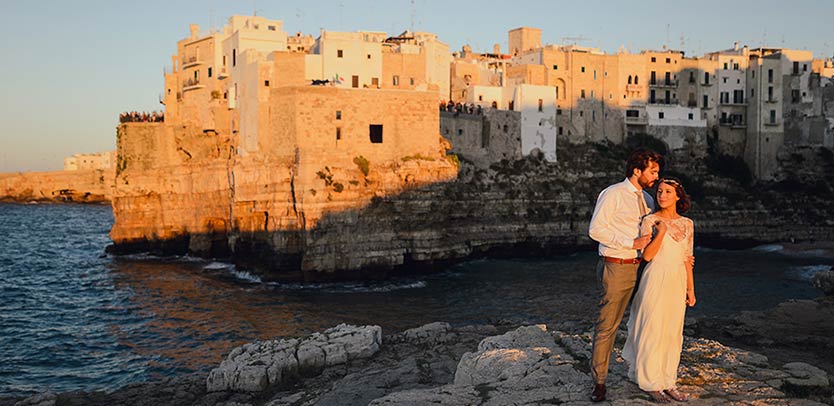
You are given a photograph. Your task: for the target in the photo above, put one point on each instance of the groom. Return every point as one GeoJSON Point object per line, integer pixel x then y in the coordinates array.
{"type": "Point", "coordinates": [616, 226]}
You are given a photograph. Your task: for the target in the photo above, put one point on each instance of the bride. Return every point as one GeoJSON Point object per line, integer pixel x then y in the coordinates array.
{"type": "Point", "coordinates": [655, 326]}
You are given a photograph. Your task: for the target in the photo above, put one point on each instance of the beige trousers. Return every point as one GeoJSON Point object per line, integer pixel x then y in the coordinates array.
{"type": "Point", "coordinates": [616, 286]}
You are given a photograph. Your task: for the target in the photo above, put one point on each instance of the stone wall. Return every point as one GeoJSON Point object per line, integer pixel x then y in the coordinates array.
{"type": "Point", "coordinates": [483, 139]}
{"type": "Point", "coordinates": [81, 186]}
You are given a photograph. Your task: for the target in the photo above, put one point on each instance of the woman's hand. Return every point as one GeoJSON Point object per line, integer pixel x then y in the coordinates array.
{"type": "Point", "coordinates": [660, 226]}
{"type": "Point", "coordinates": [690, 297]}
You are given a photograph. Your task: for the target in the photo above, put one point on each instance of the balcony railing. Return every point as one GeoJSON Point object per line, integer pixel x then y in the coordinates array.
{"type": "Point", "coordinates": [734, 123]}
{"type": "Point", "coordinates": [192, 84]}
{"type": "Point", "coordinates": [633, 88]}
{"type": "Point", "coordinates": [637, 120]}
{"type": "Point", "coordinates": [192, 61]}
{"type": "Point", "coordinates": [664, 83]}
{"type": "Point", "coordinates": [670, 102]}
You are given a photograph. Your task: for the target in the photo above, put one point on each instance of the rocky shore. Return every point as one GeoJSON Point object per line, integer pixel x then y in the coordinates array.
{"type": "Point", "coordinates": [469, 365]}
{"type": "Point", "coordinates": [82, 186]}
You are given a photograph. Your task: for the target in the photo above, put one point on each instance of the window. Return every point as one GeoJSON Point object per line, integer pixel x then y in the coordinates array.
{"type": "Point", "coordinates": [583, 69]}
{"type": "Point", "coordinates": [209, 71]}
{"type": "Point", "coordinates": [724, 79]}
{"type": "Point", "coordinates": [796, 68]}
{"type": "Point", "coordinates": [653, 79]}
{"type": "Point", "coordinates": [560, 130]}
{"type": "Point", "coordinates": [738, 96]}
{"type": "Point", "coordinates": [355, 81]}
{"type": "Point", "coordinates": [706, 78]}
{"type": "Point", "coordinates": [636, 80]}
{"type": "Point", "coordinates": [557, 92]}
{"type": "Point", "coordinates": [668, 60]}
{"type": "Point", "coordinates": [725, 66]}
{"type": "Point", "coordinates": [224, 60]}
{"type": "Point", "coordinates": [375, 82]}
{"type": "Point", "coordinates": [629, 79]}
{"type": "Point", "coordinates": [411, 80]}
{"type": "Point", "coordinates": [752, 92]}
{"type": "Point", "coordinates": [593, 115]}
{"type": "Point", "coordinates": [633, 113]}
{"type": "Point", "coordinates": [460, 131]}
{"type": "Point", "coordinates": [234, 57]}
{"type": "Point", "coordinates": [735, 66]}
{"type": "Point", "coordinates": [266, 83]}
{"type": "Point", "coordinates": [661, 115]}
{"type": "Point", "coordinates": [558, 112]}
{"type": "Point", "coordinates": [270, 27]}
{"type": "Point", "coordinates": [595, 74]}
{"type": "Point", "coordinates": [592, 94]}
{"type": "Point", "coordinates": [581, 113]}
{"type": "Point", "coordinates": [396, 80]}
{"type": "Point", "coordinates": [772, 116]}
{"type": "Point", "coordinates": [555, 67]}
{"type": "Point", "coordinates": [805, 67]}
{"type": "Point", "coordinates": [770, 76]}
{"type": "Point", "coordinates": [770, 93]}
{"type": "Point", "coordinates": [338, 133]}
{"type": "Point", "coordinates": [652, 98]}
{"type": "Point", "coordinates": [480, 97]}
{"type": "Point", "coordinates": [795, 95]}
{"type": "Point", "coordinates": [369, 56]}
{"type": "Point", "coordinates": [338, 114]}
{"type": "Point", "coordinates": [691, 117]}
{"type": "Point", "coordinates": [582, 94]}
{"type": "Point", "coordinates": [668, 97]}
{"type": "Point", "coordinates": [754, 73]}
{"type": "Point", "coordinates": [691, 77]}
{"type": "Point", "coordinates": [668, 78]}
{"type": "Point", "coordinates": [540, 104]}
{"type": "Point", "coordinates": [339, 53]}
{"type": "Point", "coordinates": [654, 59]}
{"type": "Point", "coordinates": [375, 131]}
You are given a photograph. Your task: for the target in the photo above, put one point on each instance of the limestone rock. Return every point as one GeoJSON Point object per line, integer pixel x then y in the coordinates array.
{"type": "Point", "coordinates": [40, 399]}
{"type": "Point", "coordinates": [825, 281]}
{"type": "Point", "coordinates": [255, 366]}
{"type": "Point", "coordinates": [803, 374]}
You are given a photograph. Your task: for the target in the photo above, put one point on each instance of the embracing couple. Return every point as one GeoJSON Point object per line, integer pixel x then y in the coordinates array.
{"type": "Point", "coordinates": [630, 229]}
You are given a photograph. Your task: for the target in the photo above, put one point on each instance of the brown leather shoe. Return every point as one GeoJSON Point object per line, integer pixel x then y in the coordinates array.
{"type": "Point", "coordinates": [598, 395]}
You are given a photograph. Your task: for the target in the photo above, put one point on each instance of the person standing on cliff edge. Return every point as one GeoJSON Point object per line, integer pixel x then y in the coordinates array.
{"type": "Point", "coordinates": [615, 225]}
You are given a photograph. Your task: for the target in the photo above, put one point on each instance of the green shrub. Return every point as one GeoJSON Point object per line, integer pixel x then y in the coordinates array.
{"type": "Point", "coordinates": [363, 164]}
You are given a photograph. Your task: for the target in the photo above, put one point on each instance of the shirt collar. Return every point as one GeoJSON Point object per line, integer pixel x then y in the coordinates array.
{"type": "Point", "coordinates": [630, 186]}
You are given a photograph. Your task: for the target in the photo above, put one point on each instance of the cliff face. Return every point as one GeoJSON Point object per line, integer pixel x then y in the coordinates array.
{"type": "Point", "coordinates": [302, 217]}
{"type": "Point", "coordinates": [82, 186]}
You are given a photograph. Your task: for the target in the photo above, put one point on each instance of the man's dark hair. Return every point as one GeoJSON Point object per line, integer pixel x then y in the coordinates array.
{"type": "Point", "coordinates": [640, 159]}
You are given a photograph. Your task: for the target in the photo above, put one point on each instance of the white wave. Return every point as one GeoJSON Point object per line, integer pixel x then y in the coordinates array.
{"type": "Point", "coordinates": [217, 266]}
{"type": "Point", "coordinates": [769, 248]}
{"type": "Point", "coordinates": [244, 276]}
{"type": "Point", "coordinates": [806, 273]}
{"type": "Point", "coordinates": [349, 287]}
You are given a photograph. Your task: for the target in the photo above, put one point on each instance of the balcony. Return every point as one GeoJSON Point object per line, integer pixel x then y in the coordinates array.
{"type": "Point", "coordinates": [223, 74]}
{"type": "Point", "coordinates": [634, 88]}
{"type": "Point", "coordinates": [637, 120]}
{"type": "Point", "coordinates": [664, 83]}
{"type": "Point", "coordinates": [192, 84]}
{"type": "Point", "coordinates": [734, 104]}
{"type": "Point", "coordinates": [734, 123]}
{"type": "Point", "coordinates": [772, 100]}
{"type": "Point", "coordinates": [706, 83]}
{"type": "Point", "coordinates": [670, 102]}
{"type": "Point", "coordinates": [192, 61]}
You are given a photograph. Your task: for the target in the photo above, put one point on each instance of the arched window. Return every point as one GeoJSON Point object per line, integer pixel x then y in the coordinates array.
{"type": "Point", "coordinates": [629, 79]}
{"type": "Point", "coordinates": [635, 80]}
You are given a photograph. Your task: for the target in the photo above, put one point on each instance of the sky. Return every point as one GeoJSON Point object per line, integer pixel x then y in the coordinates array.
{"type": "Point", "coordinates": [70, 67]}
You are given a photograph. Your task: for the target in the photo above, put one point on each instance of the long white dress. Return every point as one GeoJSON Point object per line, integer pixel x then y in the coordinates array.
{"type": "Point", "coordinates": [655, 326]}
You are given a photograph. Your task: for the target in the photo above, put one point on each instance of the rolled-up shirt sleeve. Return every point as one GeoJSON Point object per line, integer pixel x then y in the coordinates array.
{"type": "Point", "coordinates": [600, 229]}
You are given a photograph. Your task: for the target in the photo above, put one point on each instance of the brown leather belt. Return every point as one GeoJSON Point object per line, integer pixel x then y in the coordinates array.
{"type": "Point", "coordinates": [622, 261]}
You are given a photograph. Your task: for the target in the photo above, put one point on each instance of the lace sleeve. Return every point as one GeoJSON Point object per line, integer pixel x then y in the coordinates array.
{"type": "Point", "coordinates": [647, 225]}
{"type": "Point", "coordinates": [690, 237]}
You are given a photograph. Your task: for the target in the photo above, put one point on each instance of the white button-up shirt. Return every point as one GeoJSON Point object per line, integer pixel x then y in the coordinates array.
{"type": "Point", "coordinates": [616, 220]}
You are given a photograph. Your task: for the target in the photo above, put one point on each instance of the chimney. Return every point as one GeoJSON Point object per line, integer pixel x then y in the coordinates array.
{"type": "Point", "coordinates": [195, 29]}
{"type": "Point", "coordinates": [735, 46]}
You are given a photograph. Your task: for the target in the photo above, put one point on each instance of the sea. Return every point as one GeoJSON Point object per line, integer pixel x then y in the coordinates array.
{"type": "Point", "coordinates": [73, 318]}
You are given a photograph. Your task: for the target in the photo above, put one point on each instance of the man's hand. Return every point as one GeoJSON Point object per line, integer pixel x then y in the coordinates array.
{"type": "Point", "coordinates": [641, 242]}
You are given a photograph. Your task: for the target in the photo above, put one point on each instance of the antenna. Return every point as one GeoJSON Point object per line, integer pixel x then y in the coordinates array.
{"type": "Point", "coordinates": [580, 38]}
{"type": "Point", "coordinates": [683, 42]}
{"type": "Point", "coordinates": [667, 36]}
{"type": "Point", "coordinates": [413, 13]}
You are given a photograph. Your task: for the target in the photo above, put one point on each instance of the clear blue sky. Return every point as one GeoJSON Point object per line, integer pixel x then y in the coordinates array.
{"type": "Point", "coordinates": [70, 67]}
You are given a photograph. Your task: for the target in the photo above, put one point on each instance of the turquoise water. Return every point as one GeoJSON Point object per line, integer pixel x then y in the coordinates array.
{"type": "Point", "coordinates": [72, 318]}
